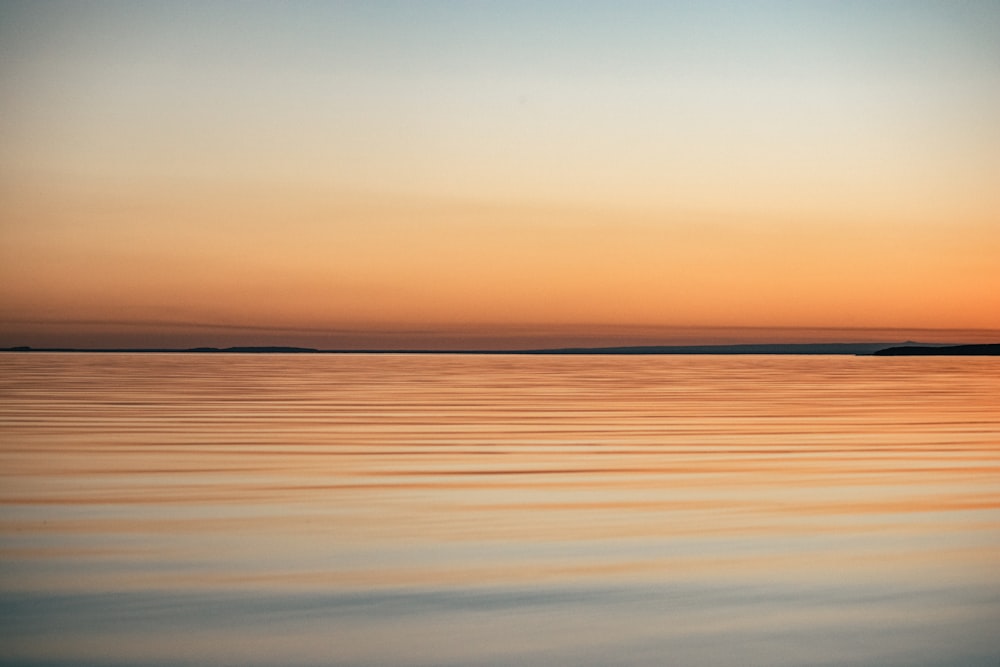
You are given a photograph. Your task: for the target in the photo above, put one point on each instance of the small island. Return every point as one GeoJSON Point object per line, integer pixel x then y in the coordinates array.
{"type": "Point", "coordinates": [982, 349]}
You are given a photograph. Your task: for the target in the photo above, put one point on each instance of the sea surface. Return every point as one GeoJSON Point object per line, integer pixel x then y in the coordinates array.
{"type": "Point", "coordinates": [468, 510]}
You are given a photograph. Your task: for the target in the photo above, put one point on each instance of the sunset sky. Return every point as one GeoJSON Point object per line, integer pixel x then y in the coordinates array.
{"type": "Point", "coordinates": [498, 174]}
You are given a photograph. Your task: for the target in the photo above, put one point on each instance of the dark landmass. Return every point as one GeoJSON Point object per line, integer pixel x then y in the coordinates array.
{"type": "Point", "coordinates": [272, 349]}
{"type": "Point", "coordinates": [279, 349]}
{"type": "Point", "coordinates": [753, 348]}
{"type": "Point", "coordinates": [984, 349]}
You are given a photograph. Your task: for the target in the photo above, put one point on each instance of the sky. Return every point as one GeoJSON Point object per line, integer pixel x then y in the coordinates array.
{"type": "Point", "coordinates": [498, 174]}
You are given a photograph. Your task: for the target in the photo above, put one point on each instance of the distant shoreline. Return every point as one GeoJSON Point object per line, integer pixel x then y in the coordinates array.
{"type": "Point", "coordinates": [864, 349]}
{"type": "Point", "coordinates": [976, 350]}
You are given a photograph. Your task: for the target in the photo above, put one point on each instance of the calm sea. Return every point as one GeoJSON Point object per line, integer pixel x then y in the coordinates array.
{"type": "Point", "coordinates": [393, 510]}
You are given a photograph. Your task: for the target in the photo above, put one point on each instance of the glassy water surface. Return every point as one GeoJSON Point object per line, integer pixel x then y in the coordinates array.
{"type": "Point", "coordinates": [498, 510]}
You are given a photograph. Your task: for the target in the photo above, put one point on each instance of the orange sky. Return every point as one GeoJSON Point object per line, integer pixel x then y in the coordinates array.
{"type": "Point", "coordinates": [349, 179]}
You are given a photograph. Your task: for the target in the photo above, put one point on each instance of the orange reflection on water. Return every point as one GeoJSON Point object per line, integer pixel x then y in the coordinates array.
{"type": "Point", "coordinates": [774, 491]}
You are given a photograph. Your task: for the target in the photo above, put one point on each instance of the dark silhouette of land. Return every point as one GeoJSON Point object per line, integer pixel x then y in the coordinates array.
{"type": "Point", "coordinates": [748, 348]}
{"type": "Point", "coordinates": [266, 349]}
{"type": "Point", "coordinates": [880, 349]}
{"type": "Point", "coordinates": [984, 349]}
{"type": "Point", "coordinates": [270, 349]}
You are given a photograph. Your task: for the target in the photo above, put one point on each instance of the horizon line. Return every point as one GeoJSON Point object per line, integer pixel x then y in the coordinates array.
{"type": "Point", "coordinates": [839, 348]}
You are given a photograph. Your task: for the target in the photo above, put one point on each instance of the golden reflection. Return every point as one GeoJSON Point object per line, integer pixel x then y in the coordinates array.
{"type": "Point", "coordinates": [450, 476]}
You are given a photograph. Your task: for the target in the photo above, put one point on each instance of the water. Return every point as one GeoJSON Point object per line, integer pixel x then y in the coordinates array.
{"type": "Point", "coordinates": [498, 510]}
